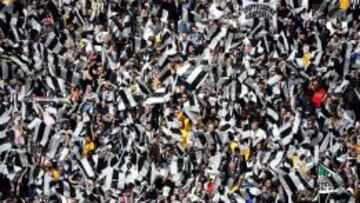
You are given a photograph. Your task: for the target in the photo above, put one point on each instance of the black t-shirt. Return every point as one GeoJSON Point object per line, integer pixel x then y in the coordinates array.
{"type": "Point", "coordinates": [172, 9]}
{"type": "Point", "coordinates": [5, 187]}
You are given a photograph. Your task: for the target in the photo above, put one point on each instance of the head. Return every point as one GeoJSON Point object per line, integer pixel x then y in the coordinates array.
{"type": "Point", "coordinates": [183, 37]}
{"type": "Point", "coordinates": [182, 89]}
{"type": "Point", "coordinates": [254, 125]}
{"type": "Point", "coordinates": [89, 89]}
{"type": "Point", "coordinates": [340, 114]}
{"type": "Point", "coordinates": [211, 127]}
{"type": "Point", "coordinates": [101, 69]}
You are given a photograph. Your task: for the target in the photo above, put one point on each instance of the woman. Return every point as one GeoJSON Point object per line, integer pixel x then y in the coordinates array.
{"type": "Point", "coordinates": [340, 122]}
{"type": "Point", "coordinates": [19, 135]}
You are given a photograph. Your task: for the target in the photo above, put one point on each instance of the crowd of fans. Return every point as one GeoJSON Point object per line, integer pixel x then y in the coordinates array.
{"type": "Point", "coordinates": [178, 101]}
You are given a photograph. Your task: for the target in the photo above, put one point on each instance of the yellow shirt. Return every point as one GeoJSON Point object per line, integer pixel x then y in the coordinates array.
{"type": "Point", "coordinates": [234, 188]}
{"type": "Point", "coordinates": [344, 4]}
{"type": "Point", "coordinates": [184, 137]}
{"type": "Point", "coordinates": [185, 120]}
{"type": "Point", "coordinates": [295, 160]}
{"type": "Point", "coordinates": [89, 146]}
{"type": "Point", "coordinates": [158, 39]}
{"type": "Point", "coordinates": [55, 174]}
{"type": "Point", "coordinates": [233, 145]}
{"type": "Point", "coordinates": [303, 169]}
{"type": "Point", "coordinates": [8, 2]}
{"type": "Point", "coordinates": [246, 153]}
{"type": "Point", "coordinates": [356, 147]}
{"type": "Point", "coordinates": [185, 129]}
{"type": "Point", "coordinates": [133, 88]}
{"type": "Point", "coordinates": [306, 59]}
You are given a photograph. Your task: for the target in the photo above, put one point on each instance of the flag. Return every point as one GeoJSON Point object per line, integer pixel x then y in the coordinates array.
{"type": "Point", "coordinates": [212, 31]}
{"type": "Point", "coordinates": [285, 133]}
{"type": "Point", "coordinates": [4, 121]}
{"type": "Point", "coordinates": [191, 108]}
{"type": "Point", "coordinates": [22, 62]}
{"type": "Point", "coordinates": [272, 115]}
{"type": "Point", "coordinates": [216, 39]}
{"type": "Point", "coordinates": [169, 53]}
{"type": "Point", "coordinates": [11, 171]}
{"type": "Point", "coordinates": [328, 179]}
{"type": "Point", "coordinates": [88, 166]}
{"type": "Point", "coordinates": [143, 88]}
{"type": "Point", "coordinates": [68, 74]}
{"type": "Point", "coordinates": [54, 44]}
{"type": "Point", "coordinates": [65, 188]}
{"type": "Point", "coordinates": [5, 70]}
{"type": "Point", "coordinates": [192, 76]}
{"type": "Point", "coordinates": [323, 171]}
{"type": "Point", "coordinates": [346, 54]}
{"type": "Point", "coordinates": [158, 97]}
{"type": "Point", "coordinates": [273, 158]}
{"type": "Point", "coordinates": [35, 24]}
{"type": "Point", "coordinates": [293, 182]}
{"type": "Point", "coordinates": [284, 43]}
{"type": "Point", "coordinates": [112, 177]}
{"type": "Point", "coordinates": [42, 133]}
{"type": "Point", "coordinates": [126, 100]}
{"type": "Point", "coordinates": [53, 146]}
{"type": "Point", "coordinates": [164, 74]}
{"type": "Point", "coordinates": [55, 84]}
{"type": "Point", "coordinates": [15, 28]}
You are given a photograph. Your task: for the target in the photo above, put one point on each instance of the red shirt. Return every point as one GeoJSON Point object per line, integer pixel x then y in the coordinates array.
{"type": "Point", "coordinates": [211, 187]}
{"type": "Point", "coordinates": [318, 97]}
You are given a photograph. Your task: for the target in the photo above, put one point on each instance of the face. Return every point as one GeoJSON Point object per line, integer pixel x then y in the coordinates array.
{"type": "Point", "coordinates": [228, 61]}
{"type": "Point", "coordinates": [258, 146]}
{"type": "Point", "coordinates": [287, 116]}
{"type": "Point", "coordinates": [268, 183]}
{"type": "Point", "coordinates": [247, 48]}
{"type": "Point", "coordinates": [98, 117]}
{"type": "Point", "coordinates": [148, 127]}
{"type": "Point", "coordinates": [17, 87]}
{"type": "Point", "coordinates": [194, 29]}
{"type": "Point", "coordinates": [339, 114]}
{"type": "Point", "coordinates": [182, 89]}
{"type": "Point", "coordinates": [101, 69]}
{"type": "Point", "coordinates": [183, 37]}
{"type": "Point", "coordinates": [211, 127]}
{"type": "Point", "coordinates": [88, 89]}
{"type": "Point", "coordinates": [311, 124]}
{"type": "Point", "coordinates": [191, 49]}
{"type": "Point", "coordinates": [181, 125]}
{"type": "Point", "coordinates": [202, 12]}
{"type": "Point", "coordinates": [315, 85]}
{"type": "Point", "coordinates": [254, 125]}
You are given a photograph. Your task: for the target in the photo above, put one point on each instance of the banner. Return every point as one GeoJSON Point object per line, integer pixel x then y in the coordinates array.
{"type": "Point", "coordinates": [259, 9]}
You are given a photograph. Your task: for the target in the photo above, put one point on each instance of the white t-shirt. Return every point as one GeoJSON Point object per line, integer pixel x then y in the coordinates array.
{"type": "Point", "coordinates": [255, 135]}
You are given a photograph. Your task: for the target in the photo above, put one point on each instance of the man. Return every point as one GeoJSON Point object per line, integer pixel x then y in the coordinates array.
{"type": "Point", "coordinates": [257, 134]}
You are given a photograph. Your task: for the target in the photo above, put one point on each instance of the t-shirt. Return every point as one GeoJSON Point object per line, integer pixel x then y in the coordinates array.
{"type": "Point", "coordinates": [257, 135]}
{"type": "Point", "coordinates": [317, 98]}
{"type": "Point", "coordinates": [344, 4]}
{"type": "Point", "coordinates": [89, 146]}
